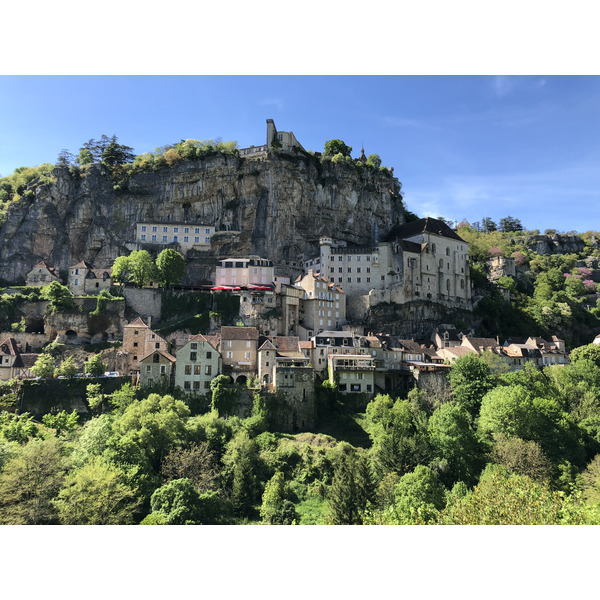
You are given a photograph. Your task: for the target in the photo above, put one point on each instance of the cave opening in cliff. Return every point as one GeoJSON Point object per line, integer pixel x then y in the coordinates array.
{"type": "Point", "coordinates": [34, 325]}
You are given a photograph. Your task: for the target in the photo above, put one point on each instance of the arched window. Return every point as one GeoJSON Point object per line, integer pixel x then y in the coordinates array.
{"type": "Point", "coordinates": [447, 251]}
{"type": "Point", "coordinates": [448, 285]}
{"type": "Point", "coordinates": [155, 358]}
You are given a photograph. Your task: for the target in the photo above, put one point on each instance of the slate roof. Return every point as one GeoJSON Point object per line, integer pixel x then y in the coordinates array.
{"type": "Point", "coordinates": [168, 356]}
{"type": "Point", "coordinates": [426, 225]}
{"type": "Point", "coordinates": [11, 346]}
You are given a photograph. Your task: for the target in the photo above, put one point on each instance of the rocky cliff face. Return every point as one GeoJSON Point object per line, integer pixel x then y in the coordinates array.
{"type": "Point", "coordinates": [280, 205]}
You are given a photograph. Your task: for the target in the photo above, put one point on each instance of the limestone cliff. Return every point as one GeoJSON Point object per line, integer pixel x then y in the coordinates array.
{"type": "Point", "coordinates": [280, 204]}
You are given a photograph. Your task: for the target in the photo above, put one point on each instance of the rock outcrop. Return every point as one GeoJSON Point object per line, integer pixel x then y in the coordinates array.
{"type": "Point", "coordinates": [280, 204]}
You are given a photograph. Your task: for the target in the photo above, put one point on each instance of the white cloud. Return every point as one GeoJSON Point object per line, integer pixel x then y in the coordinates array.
{"type": "Point", "coordinates": [502, 85]}
{"type": "Point", "coordinates": [278, 102]}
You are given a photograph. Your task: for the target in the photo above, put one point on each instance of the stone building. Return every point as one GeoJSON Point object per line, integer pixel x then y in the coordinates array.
{"type": "Point", "coordinates": [42, 274]}
{"type": "Point", "coordinates": [138, 342]}
{"type": "Point", "coordinates": [238, 349]}
{"type": "Point", "coordinates": [180, 235]}
{"type": "Point", "coordinates": [156, 369]}
{"type": "Point", "coordinates": [84, 280]}
{"type": "Point", "coordinates": [198, 363]}
{"type": "Point", "coordinates": [323, 306]}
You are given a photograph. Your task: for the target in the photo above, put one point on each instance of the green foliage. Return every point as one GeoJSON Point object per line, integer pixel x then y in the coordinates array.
{"type": "Point", "coordinates": [198, 464]}
{"type": "Point", "coordinates": [30, 481]}
{"type": "Point", "coordinates": [67, 368]}
{"type": "Point", "coordinates": [418, 497]}
{"type": "Point", "coordinates": [179, 503]}
{"type": "Point", "coordinates": [589, 352]}
{"type": "Point", "coordinates": [276, 509]}
{"type": "Point", "coordinates": [44, 366]}
{"type": "Point", "coordinates": [170, 266]}
{"type": "Point", "coordinates": [62, 421]}
{"type": "Point", "coordinates": [470, 379]}
{"type": "Point", "coordinates": [351, 489]}
{"type": "Point", "coordinates": [504, 498]}
{"type": "Point", "coordinates": [333, 147]}
{"type": "Point", "coordinates": [455, 445]}
{"type": "Point", "coordinates": [224, 399]}
{"type": "Point", "coordinates": [59, 295]}
{"type": "Point", "coordinates": [96, 494]}
{"type": "Point", "coordinates": [95, 365]}
{"type": "Point", "coordinates": [374, 160]}
{"type": "Point", "coordinates": [17, 428]}
{"type": "Point", "coordinates": [102, 300]}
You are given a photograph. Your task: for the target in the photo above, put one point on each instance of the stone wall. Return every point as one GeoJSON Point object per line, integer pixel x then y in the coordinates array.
{"type": "Point", "coordinates": [144, 301]}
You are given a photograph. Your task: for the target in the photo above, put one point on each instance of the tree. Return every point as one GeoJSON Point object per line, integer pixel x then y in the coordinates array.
{"type": "Point", "coordinates": [122, 270]}
{"type": "Point", "coordinates": [196, 463]}
{"type": "Point", "coordinates": [418, 496]}
{"type": "Point", "coordinates": [488, 225]}
{"type": "Point", "coordinates": [29, 483]}
{"type": "Point", "coordinates": [59, 295]}
{"type": "Point", "coordinates": [143, 267]}
{"type": "Point", "coordinates": [470, 379]}
{"type": "Point", "coordinates": [95, 494]}
{"type": "Point", "coordinates": [374, 160]}
{"type": "Point", "coordinates": [116, 154]}
{"type": "Point", "coordinates": [588, 352]}
{"type": "Point", "coordinates": [223, 398]}
{"type": "Point", "coordinates": [504, 498]}
{"type": "Point", "coordinates": [351, 488]}
{"type": "Point", "coordinates": [151, 427]}
{"type": "Point", "coordinates": [62, 421]}
{"type": "Point", "coordinates": [276, 509]}
{"type": "Point", "coordinates": [179, 503]}
{"type": "Point", "coordinates": [455, 444]}
{"type": "Point", "coordinates": [171, 267]}
{"type": "Point", "coordinates": [95, 365]}
{"type": "Point", "coordinates": [95, 397]}
{"type": "Point", "coordinates": [521, 457]}
{"type": "Point", "coordinates": [333, 147]}
{"type": "Point", "coordinates": [65, 158]}
{"type": "Point", "coordinates": [67, 367]}
{"type": "Point", "coordinates": [510, 224]}
{"type": "Point", "coordinates": [44, 366]}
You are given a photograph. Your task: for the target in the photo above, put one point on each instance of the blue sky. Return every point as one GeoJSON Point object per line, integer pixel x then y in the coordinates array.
{"type": "Point", "coordinates": [462, 146]}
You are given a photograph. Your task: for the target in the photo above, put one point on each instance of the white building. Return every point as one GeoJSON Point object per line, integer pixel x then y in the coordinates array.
{"type": "Point", "coordinates": [182, 235]}
{"type": "Point", "coordinates": [239, 272]}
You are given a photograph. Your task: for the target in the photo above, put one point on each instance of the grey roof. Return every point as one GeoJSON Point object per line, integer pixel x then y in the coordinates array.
{"type": "Point", "coordinates": [426, 225]}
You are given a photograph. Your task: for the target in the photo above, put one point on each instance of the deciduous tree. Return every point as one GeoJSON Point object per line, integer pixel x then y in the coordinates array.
{"type": "Point", "coordinates": [171, 267]}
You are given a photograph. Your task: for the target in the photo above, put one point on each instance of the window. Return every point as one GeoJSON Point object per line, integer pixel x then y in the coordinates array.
{"type": "Point", "coordinates": [165, 229]}
{"type": "Point", "coordinates": [155, 358]}
{"type": "Point", "coordinates": [207, 231]}
{"type": "Point", "coordinates": [186, 238]}
{"type": "Point", "coordinates": [207, 385]}
{"type": "Point", "coordinates": [135, 344]}
{"type": "Point", "coordinates": [207, 240]}
{"type": "Point", "coordinates": [196, 240]}
{"type": "Point", "coordinates": [248, 354]}
{"type": "Point", "coordinates": [154, 229]}
{"type": "Point", "coordinates": [153, 238]}
{"type": "Point", "coordinates": [447, 251]}
{"type": "Point", "coordinates": [143, 237]}
{"type": "Point", "coordinates": [209, 355]}
{"type": "Point", "coordinates": [197, 230]}
{"type": "Point", "coordinates": [186, 385]}
{"type": "Point", "coordinates": [163, 369]}
{"type": "Point", "coordinates": [148, 369]}
{"type": "Point", "coordinates": [157, 345]}
{"type": "Point", "coordinates": [193, 355]}
{"type": "Point", "coordinates": [186, 230]}
{"type": "Point", "coordinates": [196, 385]}
{"type": "Point", "coordinates": [188, 369]}
{"type": "Point", "coordinates": [208, 370]}
{"type": "Point", "coordinates": [229, 354]}
{"type": "Point", "coordinates": [339, 258]}
{"type": "Point", "coordinates": [197, 370]}
{"type": "Point", "coordinates": [143, 228]}
{"type": "Point", "coordinates": [175, 229]}
{"type": "Point", "coordinates": [349, 269]}
{"type": "Point", "coordinates": [175, 238]}
{"type": "Point", "coordinates": [194, 346]}
{"type": "Point", "coordinates": [164, 238]}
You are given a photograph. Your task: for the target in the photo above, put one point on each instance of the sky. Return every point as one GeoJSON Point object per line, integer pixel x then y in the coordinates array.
{"type": "Point", "coordinates": [464, 147]}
